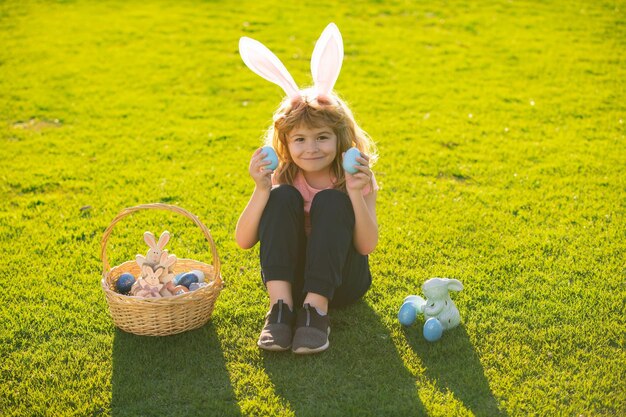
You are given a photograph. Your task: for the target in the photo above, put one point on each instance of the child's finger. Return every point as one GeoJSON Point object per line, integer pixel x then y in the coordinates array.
{"type": "Point", "coordinates": [363, 160]}
{"type": "Point", "coordinates": [261, 156]}
{"type": "Point", "coordinates": [364, 169]}
{"type": "Point", "coordinates": [259, 160]}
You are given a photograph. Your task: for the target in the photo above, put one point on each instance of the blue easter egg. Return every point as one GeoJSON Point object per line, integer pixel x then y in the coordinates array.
{"type": "Point", "coordinates": [432, 330]}
{"type": "Point", "coordinates": [407, 314]}
{"type": "Point", "coordinates": [271, 156]}
{"type": "Point", "coordinates": [197, 285]}
{"type": "Point", "coordinates": [349, 160]}
{"type": "Point", "coordinates": [417, 302]}
{"type": "Point", "coordinates": [187, 279]}
{"type": "Point", "coordinates": [125, 282]}
{"type": "Point", "coordinates": [178, 277]}
{"type": "Point", "coordinates": [199, 274]}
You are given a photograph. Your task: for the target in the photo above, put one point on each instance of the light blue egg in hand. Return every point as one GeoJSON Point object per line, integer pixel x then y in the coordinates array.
{"type": "Point", "coordinates": [271, 156]}
{"type": "Point", "coordinates": [349, 160]}
{"type": "Point", "coordinates": [433, 330]}
{"type": "Point", "coordinates": [407, 314]}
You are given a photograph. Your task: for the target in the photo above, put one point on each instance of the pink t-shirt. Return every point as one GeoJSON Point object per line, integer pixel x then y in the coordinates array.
{"type": "Point", "coordinates": [308, 193]}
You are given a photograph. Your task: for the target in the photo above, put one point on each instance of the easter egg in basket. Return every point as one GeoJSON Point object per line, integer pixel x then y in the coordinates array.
{"type": "Point", "coordinates": [187, 279]}
{"type": "Point", "coordinates": [124, 283]}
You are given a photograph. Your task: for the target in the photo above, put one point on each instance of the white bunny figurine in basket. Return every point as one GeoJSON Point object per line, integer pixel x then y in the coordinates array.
{"type": "Point", "coordinates": [153, 256]}
{"type": "Point", "coordinates": [167, 262]}
{"type": "Point", "coordinates": [148, 286]}
{"type": "Point", "coordinates": [439, 304]}
{"type": "Point", "coordinates": [158, 258]}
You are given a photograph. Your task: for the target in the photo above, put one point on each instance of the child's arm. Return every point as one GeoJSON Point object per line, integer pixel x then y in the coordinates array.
{"type": "Point", "coordinates": [365, 226]}
{"type": "Point", "coordinates": [247, 230]}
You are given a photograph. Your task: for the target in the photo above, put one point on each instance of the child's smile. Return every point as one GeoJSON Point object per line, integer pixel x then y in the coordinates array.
{"type": "Point", "coordinates": [312, 149]}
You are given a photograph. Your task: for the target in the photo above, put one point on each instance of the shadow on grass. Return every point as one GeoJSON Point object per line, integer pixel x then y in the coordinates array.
{"type": "Point", "coordinates": [182, 375]}
{"type": "Point", "coordinates": [360, 375]}
{"type": "Point", "coordinates": [454, 365]}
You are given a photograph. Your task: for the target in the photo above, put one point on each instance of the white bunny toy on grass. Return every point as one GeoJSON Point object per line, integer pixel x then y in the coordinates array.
{"type": "Point", "coordinates": [439, 304]}
{"type": "Point", "coordinates": [440, 312]}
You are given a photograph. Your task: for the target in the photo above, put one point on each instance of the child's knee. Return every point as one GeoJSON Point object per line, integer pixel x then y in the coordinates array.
{"type": "Point", "coordinates": [286, 194]}
{"type": "Point", "coordinates": [332, 198]}
{"type": "Point", "coordinates": [332, 202]}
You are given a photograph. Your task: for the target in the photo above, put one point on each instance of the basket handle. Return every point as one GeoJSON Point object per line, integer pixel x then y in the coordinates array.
{"type": "Point", "coordinates": [158, 206]}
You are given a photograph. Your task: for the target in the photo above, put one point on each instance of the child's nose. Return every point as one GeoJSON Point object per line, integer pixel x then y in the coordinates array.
{"type": "Point", "coordinates": [313, 146]}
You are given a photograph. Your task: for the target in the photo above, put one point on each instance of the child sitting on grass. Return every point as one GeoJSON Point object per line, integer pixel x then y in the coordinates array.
{"type": "Point", "coordinates": [316, 222]}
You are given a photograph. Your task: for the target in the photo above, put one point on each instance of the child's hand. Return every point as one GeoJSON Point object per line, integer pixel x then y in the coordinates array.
{"type": "Point", "coordinates": [362, 178]}
{"type": "Point", "coordinates": [262, 176]}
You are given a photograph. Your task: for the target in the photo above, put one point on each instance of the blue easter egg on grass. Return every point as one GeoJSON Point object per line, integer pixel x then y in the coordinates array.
{"type": "Point", "coordinates": [125, 282]}
{"type": "Point", "coordinates": [417, 302]}
{"type": "Point", "coordinates": [187, 279]}
{"type": "Point", "coordinates": [271, 156]}
{"type": "Point", "coordinates": [407, 314]}
{"type": "Point", "coordinates": [432, 330]}
{"type": "Point", "coordinates": [349, 160]}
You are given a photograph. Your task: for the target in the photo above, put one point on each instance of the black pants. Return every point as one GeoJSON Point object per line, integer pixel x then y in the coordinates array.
{"type": "Point", "coordinates": [326, 262]}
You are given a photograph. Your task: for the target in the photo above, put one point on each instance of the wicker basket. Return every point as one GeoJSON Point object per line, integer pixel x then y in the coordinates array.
{"type": "Point", "coordinates": [167, 315]}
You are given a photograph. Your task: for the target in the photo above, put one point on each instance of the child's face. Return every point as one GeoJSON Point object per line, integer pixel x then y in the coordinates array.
{"type": "Point", "coordinates": [312, 149]}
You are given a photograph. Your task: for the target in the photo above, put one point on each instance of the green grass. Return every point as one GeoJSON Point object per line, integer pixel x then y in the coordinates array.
{"type": "Point", "coordinates": [500, 126]}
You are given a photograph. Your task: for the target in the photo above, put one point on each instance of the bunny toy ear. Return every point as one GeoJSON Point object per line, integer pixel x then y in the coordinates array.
{"type": "Point", "coordinates": [146, 270]}
{"type": "Point", "coordinates": [264, 63]}
{"type": "Point", "coordinates": [326, 60]}
{"type": "Point", "coordinates": [454, 285]}
{"type": "Point", "coordinates": [165, 237]}
{"type": "Point", "coordinates": [150, 239]}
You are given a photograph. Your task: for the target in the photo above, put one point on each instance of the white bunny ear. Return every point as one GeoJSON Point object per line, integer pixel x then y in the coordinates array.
{"type": "Point", "coordinates": [146, 270]}
{"type": "Point", "coordinates": [454, 285]}
{"type": "Point", "coordinates": [165, 237]}
{"type": "Point", "coordinates": [264, 63]}
{"type": "Point", "coordinates": [150, 239]}
{"type": "Point", "coordinates": [327, 59]}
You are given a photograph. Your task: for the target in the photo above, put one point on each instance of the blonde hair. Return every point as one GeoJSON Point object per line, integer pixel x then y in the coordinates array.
{"type": "Point", "coordinates": [313, 112]}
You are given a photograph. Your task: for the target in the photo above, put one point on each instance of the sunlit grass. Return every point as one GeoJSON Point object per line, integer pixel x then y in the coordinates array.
{"type": "Point", "coordinates": [500, 126]}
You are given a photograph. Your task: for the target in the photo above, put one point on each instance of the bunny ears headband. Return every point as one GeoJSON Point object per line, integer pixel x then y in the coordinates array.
{"type": "Point", "coordinates": [325, 63]}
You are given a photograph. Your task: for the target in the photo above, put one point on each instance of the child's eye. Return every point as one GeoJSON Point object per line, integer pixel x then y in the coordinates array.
{"type": "Point", "coordinates": [322, 138]}
{"type": "Point", "coordinates": [298, 139]}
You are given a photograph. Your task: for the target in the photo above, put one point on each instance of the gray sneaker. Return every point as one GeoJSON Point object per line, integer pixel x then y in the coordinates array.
{"type": "Point", "coordinates": [277, 332]}
{"type": "Point", "coordinates": [312, 330]}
